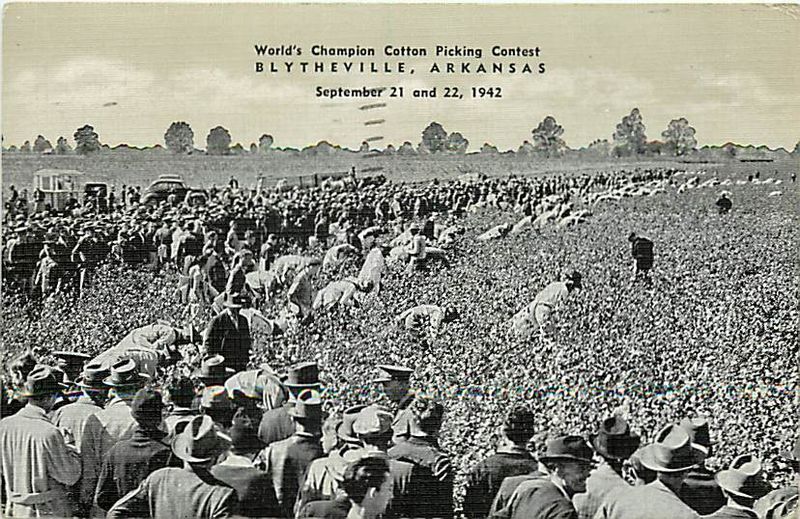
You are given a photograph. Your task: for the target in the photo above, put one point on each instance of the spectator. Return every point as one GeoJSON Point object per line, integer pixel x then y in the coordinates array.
{"type": "Point", "coordinates": [742, 485]}
{"type": "Point", "coordinates": [642, 252]}
{"type": "Point", "coordinates": [368, 486]}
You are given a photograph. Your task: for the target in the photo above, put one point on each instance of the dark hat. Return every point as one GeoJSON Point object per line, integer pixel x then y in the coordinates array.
{"type": "Point", "coordinates": [614, 439]}
{"type": "Point", "coordinates": [42, 381]}
{"type": "Point", "coordinates": [567, 448]}
{"type": "Point", "coordinates": [308, 405]}
{"type": "Point", "coordinates": [146, 408]}
{"type": "Point", "coordinates": [215, 397]}
{"type": "Point", "coordinates": [373, 420]}
{"type": "Point", "coordinates": [574, 276]}
{"type": "Point", "coordinates": [303, 376]}
{"type": "Point", "coordinates": [198, 442]}
{"type": "Point", "coordinates": [391, 372]}
{"type": "Point", "coordinates": [125, 373]}
{"type": "Point", "coordinates": [213, 370]}
{"type": "Point", "coordinates": [698, 433]}
{"type": "Point", "coordinates": [743, 478]}
{"type": "Point", "coordinates": [673, 451]}
{"type": "Point", "coordinates": [345, 429]}
{"type": "Point", "coordinates": [93, 376]}
{"type": "Point", "coordinates": [244, 436]}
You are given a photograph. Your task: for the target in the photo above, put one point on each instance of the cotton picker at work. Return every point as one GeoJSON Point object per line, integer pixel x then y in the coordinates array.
{"type": "Point", "coordinates": [539, 313]}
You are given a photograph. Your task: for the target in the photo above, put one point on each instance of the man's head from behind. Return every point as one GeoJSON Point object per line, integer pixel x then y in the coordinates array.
{"type": "Point", "coordinates": [518, 426]}
{"type": "Point", "coordinates": [369, 485]}
{"type": "Point", "coordinates": [427, 417]}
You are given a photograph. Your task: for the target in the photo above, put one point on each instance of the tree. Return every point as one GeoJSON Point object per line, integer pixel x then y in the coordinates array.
{"type": "Point", "coordinates": [26, 147]}
{"type": "Point", "coordinates": [629, 137]}
{"type": "Point", "coordinates": [42, 145]}
{"type": "Point", "coordinates": [526, 148]}
{"type": "Point", "coordinates": [389, 151]}
{"type": "Point", "coordinates": [364, 147]}
{"type": "Point", "coordinates": [488, 149]}
{"type": "Point", "coordinates": [679, 137]}
{"type": "Point", "coordinates": [265, 143]}
{"type": "Point", "coordinates": [547, 137]}
{"type": "Point", "coordinates": [253, 148]}
{"type": "Point", "coordinates": [796, 150]}
{"type": "Point", "coordinates": [434, 138]}
{"type": "Point", "coordinates": [218, 141]}
{"type": "Point", "coordinates": [179, 137]}
{"type": "Point", "coordinates": [62, 146]}
{"type": "Point", "coordinates": [456, 143]}
{"type": "Point", "coordinates": [407, 149]}
{"type": "Point", "coordinates": [730, 150]}
{"type": "Point", "coordinates": [86, 140]}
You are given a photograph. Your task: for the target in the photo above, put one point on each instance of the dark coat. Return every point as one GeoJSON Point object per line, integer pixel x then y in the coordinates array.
{"type": "Point", "coordinates": [485, 479]}
{"type": "Point", "coordinates": [701, 492]}
{"type": "Point", "coordinates": [254, 488]}
{"type": "Point", "coordinates": [431, 486]}
{"type": "Point", "coordinates": [224, 338]}
{"type": "Point", "coordinates": [334, 509]}
{"type": "Point", "coordinates": [507, 488]}
{"type": "Point", "coordinates": [728, 512]}
{"type": "Point", "coordinates": [178, 493]}
{"type": "Point", "coordinates": [540, 499]}
{"type": "Point", "coordinates": [128, 463]}
{"type": "Point", "coordinates": [286, 462]}
{"type": "Point", "coordinates": [276, 425]}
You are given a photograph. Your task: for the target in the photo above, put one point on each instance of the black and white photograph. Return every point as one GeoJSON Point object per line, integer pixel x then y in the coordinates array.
{"type": "Point", "coordinates": [384, 261]}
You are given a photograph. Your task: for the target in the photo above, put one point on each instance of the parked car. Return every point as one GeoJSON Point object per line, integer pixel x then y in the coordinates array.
{"type": "Point", "coordinates": [159, 190]}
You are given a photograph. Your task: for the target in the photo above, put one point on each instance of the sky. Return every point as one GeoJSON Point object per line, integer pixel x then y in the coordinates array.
{"type": "Point", "coordinates": [132, 69]}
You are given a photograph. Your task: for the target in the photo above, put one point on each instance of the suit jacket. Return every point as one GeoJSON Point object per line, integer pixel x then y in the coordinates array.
{"type": "Point", "coordinates": [276, 425]}
{"type": "Point", "coordinates": [253, 487]}
{"type": "Point", "coordinates": [224, 338]}
{"type": "Point", "coordinates": [286, 462]}
{"type": "Point", "coordinates": [701, 491]}
{"type": "Point", "coordinates": [539, 499]}
{"type": "Point", "coordinates": [73, 417]}
{"type": "Point", "coordinates": [334, 509]}
{"type": "Point", "coordinates": [599, 484]}
{"type": "Point", "coordinates": [178, 493]}
{"type": "Point", "coordinates": [128, 463]}
{"type": "Point", "coordinates": [730, 512]}
{"type": "Point", "coordinates": [38, 486]}
{"type": "Point", "coordinates": [431, 485]}
{"type": "Point", "coordinates": [651, 501]}
{"type": "Point", "coordinates": [485, 479]}
{"type": "Point", "coordinates": [507, 488]}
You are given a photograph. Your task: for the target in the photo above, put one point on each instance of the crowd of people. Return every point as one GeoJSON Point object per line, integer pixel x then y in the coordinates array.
{"type": "Point", "coordinates": [115, 435]}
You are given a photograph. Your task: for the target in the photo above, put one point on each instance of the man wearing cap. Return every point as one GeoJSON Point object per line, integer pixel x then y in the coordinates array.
{"type": "Point", "coordinates": [288, 460]}
{"type": "Point", "coordinates": [37, 464]}
{"type": "Point", "coordinates": [191, 491]}
{"type": "Point", "coordinates": [129, 462]}
{"type": "Point", "coordinates": [614, 443]}
{"type": "Point", "coordinates": [73, 417]}
{"type": "Point", "coordinates": [253, 487]}
{"type": "Point", "coordinates": [277, 423]}
{"type": "Point", "coordinates": [539, 313]}
{"type": "Point", "coordinates": [671, 456]}
{"type": "Point", "coordinates": [228, 334]}
{"type": "Point", "coordinates": [568, 460]}
{"type": "Point", "coordinates": [742, 485]}
{"type": "Point", "coordinates": [109, 426]}
{"type": "Point", "coordinates": [396, 382]}
{"type": "Point", "coordinates": [431, 485]}
{"type": "Point", "coordinates": [700, 490]}
{"type": "Point", "coordinates": [511, 459]}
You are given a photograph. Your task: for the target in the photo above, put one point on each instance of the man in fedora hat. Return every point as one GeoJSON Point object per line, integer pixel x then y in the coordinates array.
{"type": "Point", "coordinates": [277, 424]}
{"type": "Point", "coordinates": [324, 474]}
{"type": "Point", "coordinates": [742, 485]}
{"type": "Point", "coordinates": [671, 456]}
{"type": "Point", "coordinates": [213, 371]}
{"type": "Point", "coordinates": [37, 464]}
{"type": "Point", "coordinates": [288, 460]}
{"type": "Point", "coordinates": [200, 495]}
{"type": "Point", "coordinates": [396, 384]}
{"type": "Point", "coordinates": [73, 417]}
{"type": "Point", "coordinates": [539, 313]}
{"type": "Point", "coordinates": [130, 461]}
{"type": "Point", "coordinates": [228, 334]}
{"type": "Point", "coordinates": [109, 426]}
{"type": "Point", "coordinates": [214, 402]}
{"type": "Point", "coordinates": [568, 460]}
{"type": "Point", "coordinates": [512, 458]}
{"type": "Point", "coordinates": [431, 485]}
{"type": "Point", "coordinates": [700, 490]}
{"type": "Point", "coordinates": [614, 443]}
